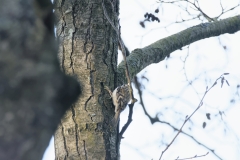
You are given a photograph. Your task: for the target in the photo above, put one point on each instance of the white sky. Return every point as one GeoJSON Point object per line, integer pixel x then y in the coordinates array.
{"type": "Point", "coordinates": [207, 60]}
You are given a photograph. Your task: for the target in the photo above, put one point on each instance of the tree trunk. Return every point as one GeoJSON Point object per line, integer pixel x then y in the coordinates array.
{"type": "Point", "coordinates": [33, 93]}
{"type": "Point", "coordinates": [87, 51]}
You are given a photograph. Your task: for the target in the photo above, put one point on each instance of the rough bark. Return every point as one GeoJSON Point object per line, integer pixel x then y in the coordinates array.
{"type": "Point", "coordinates": [33, 93]}
{"type": "Point", "coordinates": [156, 52]}
{"type": "Point", "coordinates": [88, 51]}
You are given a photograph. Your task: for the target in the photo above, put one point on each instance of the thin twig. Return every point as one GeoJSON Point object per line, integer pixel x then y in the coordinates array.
{"type": "Point", "coordinates": [196, 156]}
{"type": "Point", "coordinates": [133, 100]}
{"type": "Point", "coordinates": [128, 122]}
{"type": "Point", "coordinates": [156, 119]}
{"type": "Point", "coordinates": [109, 20]}
{"type": "Point", "coordinates": [199, 105]}
{"type": "Point", "coordinates": [196, 6]}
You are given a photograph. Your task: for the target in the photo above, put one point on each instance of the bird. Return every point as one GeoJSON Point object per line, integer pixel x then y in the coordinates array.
{"type": "Point", "coordinates": [120, 97]}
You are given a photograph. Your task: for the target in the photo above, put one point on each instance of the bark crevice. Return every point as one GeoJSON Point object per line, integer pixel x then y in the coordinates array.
{"type": "Point", "coordinates": [89, 48]}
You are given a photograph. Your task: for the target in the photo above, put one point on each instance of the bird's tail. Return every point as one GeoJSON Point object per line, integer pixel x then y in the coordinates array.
{"type": "Point", "coordinates": [115, 119]}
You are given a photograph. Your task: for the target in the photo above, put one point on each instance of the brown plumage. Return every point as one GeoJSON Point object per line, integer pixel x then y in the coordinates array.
{"type": "Point", "coordinates": [120, 97]}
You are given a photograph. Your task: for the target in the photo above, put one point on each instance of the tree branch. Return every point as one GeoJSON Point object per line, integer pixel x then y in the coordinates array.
{"type": "Point", "coordinates": [156, 52]}
{"type": "Point", "coordinates": [156, 119]}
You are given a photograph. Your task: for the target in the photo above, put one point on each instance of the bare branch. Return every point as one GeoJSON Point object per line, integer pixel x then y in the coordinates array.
{"type": "Point", "coordinates": [156, 52]}
{"type": "Point", "coordinates": [195, 6]}
{"type": "Point", "coordinates": [128, 121]}
{"type": "Point", "coordinates": [133, 100]}
{"type": "Point", "coordinates": [156, 119]}
{"type": "Point", "coordinates": [122, 46]}
{"type": "Point", "coordinates": [196, 156]}
{"type": "Point", "coordinates": [188, 117]}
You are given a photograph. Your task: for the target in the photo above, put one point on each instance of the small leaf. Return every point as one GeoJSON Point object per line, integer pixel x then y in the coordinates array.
{"type": "Point", "coordinates": [208, 116]}
{"type": "Point", "coordinates": [145, 15]}
{"type": "Point", "coordinates": [225, 73]}
{"type": "Point", "coordinates": [157, 10]}
{"type": "Point", "coordinates": [186, 117]}
{"type": "Point", "coordinates": [222, 81]}
{"type": "Point", "coordinates": [204, 124]}
{"type": "Point", "coordinates": [232, 101]}
{"type": "Point", "coordinates": [142, 24]}
{"type": "Point", "coordinates": [220, 113]}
